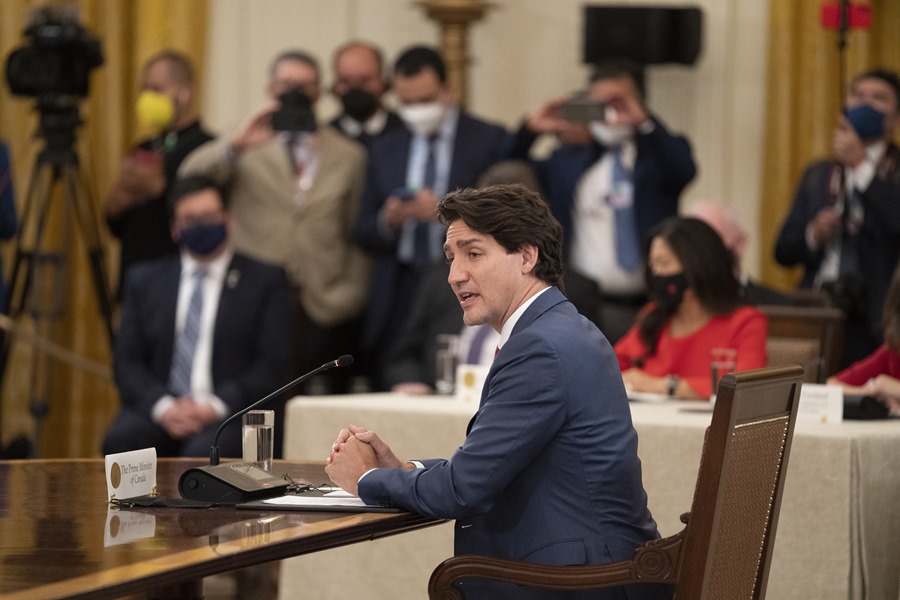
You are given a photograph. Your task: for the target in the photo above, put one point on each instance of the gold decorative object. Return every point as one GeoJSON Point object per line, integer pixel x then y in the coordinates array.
{"type": "Point", "coordinates": [454, 18]}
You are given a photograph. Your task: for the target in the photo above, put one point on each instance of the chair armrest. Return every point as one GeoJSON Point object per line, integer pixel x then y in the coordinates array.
{"type": "Point", "coordinates": [654, 562]}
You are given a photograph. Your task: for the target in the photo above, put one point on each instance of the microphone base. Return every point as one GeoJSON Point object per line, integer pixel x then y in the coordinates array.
{"type": "Point", "coordinates": [230, 483]}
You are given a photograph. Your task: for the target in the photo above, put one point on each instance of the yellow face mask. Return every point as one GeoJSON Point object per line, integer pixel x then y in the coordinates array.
{"type": "Point", "coordinates": [155, 111]}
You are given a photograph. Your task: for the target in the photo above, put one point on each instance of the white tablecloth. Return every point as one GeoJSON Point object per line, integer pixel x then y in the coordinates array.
{"type": "Point", "coordinates": [838, 533]}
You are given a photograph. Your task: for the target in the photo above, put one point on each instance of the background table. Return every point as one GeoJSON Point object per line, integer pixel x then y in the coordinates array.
{"type": "Point", "coordinates": [838, 534]}
{"type": "Point", "coordinates": [59, 538]}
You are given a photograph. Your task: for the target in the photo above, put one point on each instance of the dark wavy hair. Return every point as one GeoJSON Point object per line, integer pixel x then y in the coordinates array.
{"type": "Point", "coordinates": [513, 215]}
{"type": "Point", "coordinates": [708, 267]}
{"type": "Point", "coordinates": [891, 314]}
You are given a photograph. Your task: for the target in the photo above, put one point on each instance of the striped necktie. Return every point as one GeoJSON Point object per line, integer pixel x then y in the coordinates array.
{"type": "Point", "coordinates": [186, 341]}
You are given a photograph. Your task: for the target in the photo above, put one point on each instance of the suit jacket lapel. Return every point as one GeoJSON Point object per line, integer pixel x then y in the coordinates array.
{"type": "Point", "coordinates": [169, 303]}
{"type": "Point", "coordinates": [542, 304]}
{"type": "Point", "coordinates": [227, 311]}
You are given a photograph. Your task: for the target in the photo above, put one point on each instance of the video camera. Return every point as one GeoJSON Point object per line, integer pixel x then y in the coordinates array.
{"type": "Point", "coordinates": [59, 58]}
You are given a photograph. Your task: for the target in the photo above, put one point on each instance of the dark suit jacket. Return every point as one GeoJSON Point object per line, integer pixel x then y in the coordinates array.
{"type": "Point", "coordinates": [436, 310]}
{"type": "Point", "coordinates": [393, 123]}
{"type": "Point", "coordinates": [251, 347]}
{"type": "Point", "coordinates": [663, 167]}
{"type": "Point", "coordinates": [478, 145]}
{"type": "Point", "coordinates": [143, 230]}
{"type": "Point", "coordinates": [549, 471]}
{"type": "Point", "coordinates": [879, 240]}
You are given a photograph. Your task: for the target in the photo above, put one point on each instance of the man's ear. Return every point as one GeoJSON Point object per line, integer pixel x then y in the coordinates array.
{"type": "Point", "coordinates": [529, 257]}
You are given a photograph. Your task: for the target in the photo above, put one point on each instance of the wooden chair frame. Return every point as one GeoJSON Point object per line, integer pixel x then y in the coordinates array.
{"type": "Point", "coordinates": [823, 325]}
{"type": "Point", "coordinates": [725, 549]}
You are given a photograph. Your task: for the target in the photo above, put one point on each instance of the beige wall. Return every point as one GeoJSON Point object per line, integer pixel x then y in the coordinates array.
{"type": "Point", "coordinates": [524, 52]}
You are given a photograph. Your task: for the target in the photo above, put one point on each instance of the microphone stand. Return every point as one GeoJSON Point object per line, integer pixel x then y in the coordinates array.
{"type": "Point", "coordinates": [344, 361]}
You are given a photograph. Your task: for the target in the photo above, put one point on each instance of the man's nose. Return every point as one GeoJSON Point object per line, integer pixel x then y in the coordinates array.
{"type": "Point", "coordinates": [457, 273]}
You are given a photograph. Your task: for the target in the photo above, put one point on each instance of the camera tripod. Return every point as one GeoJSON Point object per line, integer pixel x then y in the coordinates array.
{"type": "Point", "coordinates": [38, 276]}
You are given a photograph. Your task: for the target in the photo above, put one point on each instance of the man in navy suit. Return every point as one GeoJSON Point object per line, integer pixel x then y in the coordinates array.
{"type": "Point", "coordinates": [237, 308]}
{"type": "Point", "coordinates": [549, 471]}
{"type": "Point", "coordinates": [844, 223]}
{"type": "Point", "coordinates": [610, 184]}
{"type": "Point", "coordinates": [442, 148]}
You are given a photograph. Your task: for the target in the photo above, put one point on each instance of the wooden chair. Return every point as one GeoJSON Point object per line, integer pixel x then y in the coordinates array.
{"type": "Point", "coordinates": [811, 336]}
{"type": "Point", "coordinates": [725, 549]}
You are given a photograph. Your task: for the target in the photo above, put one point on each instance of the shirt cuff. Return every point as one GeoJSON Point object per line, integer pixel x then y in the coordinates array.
{"type": "Point", "coordinates": [161, 407]}
{"type": "Point", "coordinates": [221, 409]}
{"type": "Point", "coordinates": [363, 476]}
{"type": "Point", "coordinates": [810, 240]}
{"type": "Point", "coordinates": [647, 126]}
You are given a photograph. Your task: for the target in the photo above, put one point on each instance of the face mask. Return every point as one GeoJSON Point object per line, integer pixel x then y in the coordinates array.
{"type": "Point", "coordinates": [668, 290]}
{"type": "Point", "coordinates": [867, 121]}
{"type": "Point", "coordinates": [423, 119]}
{"type": "Point", "coordinates": [155, 111]}
{"type": "Point", "coordinates": [203, 239]}
{"type": "Point", "coordinates": [359, 104]}
{"type": "Point", "coordinates": [609, 135]}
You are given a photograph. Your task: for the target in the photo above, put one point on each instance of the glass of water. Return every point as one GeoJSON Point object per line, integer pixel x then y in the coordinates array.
{"type": "Point", "coordinates": [259, 438]}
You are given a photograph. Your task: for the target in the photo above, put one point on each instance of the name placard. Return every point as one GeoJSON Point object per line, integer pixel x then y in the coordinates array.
{"type": "Point", "coordinates": [469, 381]}
{"type": "Point", "coordinates": [131, 474]}
{"type": "Point", "coordinates": [820, 404]}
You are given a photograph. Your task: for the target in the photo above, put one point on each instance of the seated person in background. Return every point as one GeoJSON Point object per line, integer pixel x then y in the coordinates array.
{"type": "Point", "coordinates": [695, 307]}
{"type": "Point", "coordinates": [878, 374]}
{"type": "Point", "coordinates": [203, 334]}
{"type": "Point", "coordinates": [734, 236]}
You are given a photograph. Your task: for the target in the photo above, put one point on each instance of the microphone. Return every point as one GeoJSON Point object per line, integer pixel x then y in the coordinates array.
{"type": "Point", "coordinates": [344, 361]}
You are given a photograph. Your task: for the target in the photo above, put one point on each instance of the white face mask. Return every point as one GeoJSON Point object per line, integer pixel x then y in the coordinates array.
{"type": "Point", "coordinates": [423, 119]}
{"type": "Point", "coordinates": [609, 135]}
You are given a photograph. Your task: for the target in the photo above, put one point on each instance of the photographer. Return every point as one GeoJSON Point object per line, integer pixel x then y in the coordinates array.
{"type": "Point", "coordinates": [609, 191]}
{"type": "Point", "coordinates": [295, 190]}
{"type": "Point", "coordinates": [844, 224]}
{"type": "Point", "coordinates": [136, 206]}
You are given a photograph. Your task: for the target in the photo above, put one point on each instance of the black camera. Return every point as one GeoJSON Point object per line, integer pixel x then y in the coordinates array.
{"type": "Point", "coordinates": [296, 112]}
{"type": "Point", "coordinates": [59, 58]}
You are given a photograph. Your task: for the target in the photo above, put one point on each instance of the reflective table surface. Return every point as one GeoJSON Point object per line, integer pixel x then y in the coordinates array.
{"type": "Point", "coordinates": [59, 537]}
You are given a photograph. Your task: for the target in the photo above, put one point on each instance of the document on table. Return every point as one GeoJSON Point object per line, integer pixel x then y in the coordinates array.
{"type": "Point", "coordinates": [334, 501]}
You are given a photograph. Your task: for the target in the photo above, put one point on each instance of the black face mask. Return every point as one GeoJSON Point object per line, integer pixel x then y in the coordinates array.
{"type": "Point", "coordinates": [668, 290]}
{"type": "Point", "coordinates": [359, 104]}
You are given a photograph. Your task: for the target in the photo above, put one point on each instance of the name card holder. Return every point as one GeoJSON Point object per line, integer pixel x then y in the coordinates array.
{"type": "Point", "coordinates": [131, 474]}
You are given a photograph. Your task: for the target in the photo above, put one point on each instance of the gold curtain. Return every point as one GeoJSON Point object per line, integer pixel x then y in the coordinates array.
{"type": "Point", "coordinates": [803, 101]}
{"type": "Point", "coordinates": [82, 402]}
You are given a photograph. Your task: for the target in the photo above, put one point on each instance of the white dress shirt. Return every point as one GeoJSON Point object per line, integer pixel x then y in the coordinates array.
{"type": "Point", "coordinates": [202, 389]}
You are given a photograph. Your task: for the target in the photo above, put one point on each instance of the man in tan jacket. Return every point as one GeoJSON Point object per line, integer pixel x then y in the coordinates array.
{"type": "Point", "coordinates": [295, 197]}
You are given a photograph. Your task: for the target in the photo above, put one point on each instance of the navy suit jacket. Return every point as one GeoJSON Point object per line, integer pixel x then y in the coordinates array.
{"type": "Point", "coordinates": [663, 167]}
{"type": "Point", "coordinates": [879, 240]}
{"type": "Point", "coordinates": [549, 471]}
{"type": "Point", "coordinates": [251, 345]}
{"type": "Point", "coordinates": [477, 146]}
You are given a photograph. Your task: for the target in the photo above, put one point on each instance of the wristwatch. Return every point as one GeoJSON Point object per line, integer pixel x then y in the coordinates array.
{"type": "Point", "coordinates": [672, 382]}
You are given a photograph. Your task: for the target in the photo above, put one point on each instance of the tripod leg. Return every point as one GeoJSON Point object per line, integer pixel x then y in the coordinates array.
{"type": "Point", "coordinates": [30, 228]}
{"type": "Point", "coordinates": [84, 210]}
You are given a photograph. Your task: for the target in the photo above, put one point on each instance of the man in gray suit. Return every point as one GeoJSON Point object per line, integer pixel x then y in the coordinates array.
{"type": "Point", "coordinates": [295, 198]}
{"type": "Point", "coordinates": [549, 471]}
